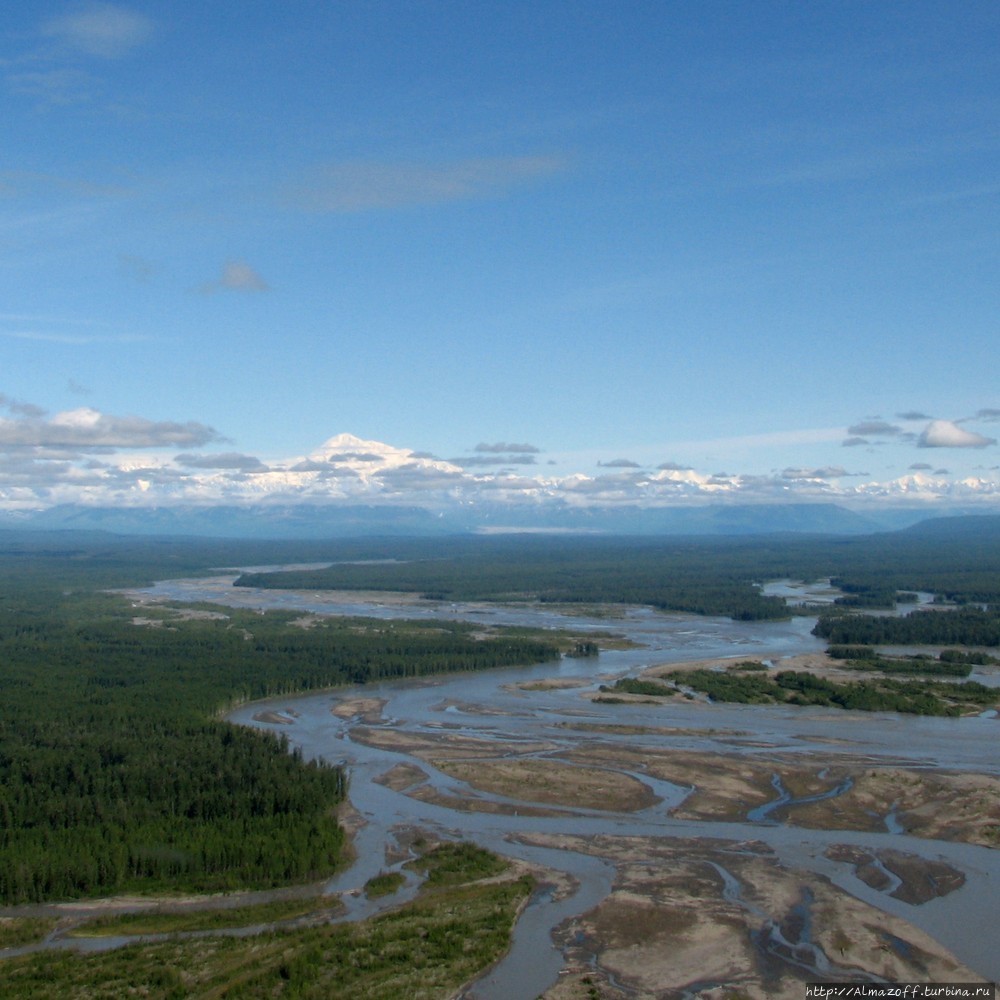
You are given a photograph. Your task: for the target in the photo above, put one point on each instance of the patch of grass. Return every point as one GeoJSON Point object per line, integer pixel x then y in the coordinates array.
{"type": "Point", "coordinates": [204, 920]}
{"type": "Point", "coordinates": [17, 931]}
{"type": "Point", "coordinates": [456, 864]}
{"type": "Point", "coordinates": [383, 884]}
{"type": "Point", "coordinates": [425, 949]}
{"type": "Point", "coordinates": [632, 685]}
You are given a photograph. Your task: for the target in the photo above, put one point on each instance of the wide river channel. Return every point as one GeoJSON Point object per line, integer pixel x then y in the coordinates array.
{"type": "Point", "coordinates": [491, 705]}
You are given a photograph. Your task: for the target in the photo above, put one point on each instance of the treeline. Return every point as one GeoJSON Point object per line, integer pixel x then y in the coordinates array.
{"type": "Point", "coordinates": [948, 663]}
{"type": "Point", "coordinates": [696, 576]}
{"type": "Point", "coordinates": [708, 575]}
{"type": "Point", "coordinates": [115, 772]}
{"type": "Point", "coordinates": [801, 688]}
{"type": "Point", "coordinates": [966, 626]}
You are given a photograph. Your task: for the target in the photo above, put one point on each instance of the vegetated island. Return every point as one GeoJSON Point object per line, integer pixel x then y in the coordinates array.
{"type": "Point", "coordinates": [458, 925]}
{"type": "Point", "coordinates": [750, 683]}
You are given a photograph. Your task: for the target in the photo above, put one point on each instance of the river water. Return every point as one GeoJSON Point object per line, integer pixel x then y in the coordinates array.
{"type": "Point", "coordinates": [489, 705]}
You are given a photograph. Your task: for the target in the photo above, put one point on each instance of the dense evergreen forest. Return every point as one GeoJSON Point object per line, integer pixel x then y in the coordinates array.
{"type": "Point", "coordinates": [115, 772]}
{"type": "Point", "coordinates": [713, 575]}
{"type": "Point", "coordinates": [967, 626]}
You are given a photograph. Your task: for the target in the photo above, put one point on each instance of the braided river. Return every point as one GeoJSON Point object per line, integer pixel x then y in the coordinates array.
{"type": "Point", "coordinates": [519, 715]}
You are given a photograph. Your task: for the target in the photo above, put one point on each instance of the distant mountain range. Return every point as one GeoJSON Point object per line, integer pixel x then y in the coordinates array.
{"type": "Point", "coordinates": [315, 521]}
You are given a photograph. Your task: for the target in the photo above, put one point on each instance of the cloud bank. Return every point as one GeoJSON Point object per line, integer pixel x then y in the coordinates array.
{"type": "Point", "coordinates": [86, 429]}
{"type": "Point", "coordinates": [85, 456]}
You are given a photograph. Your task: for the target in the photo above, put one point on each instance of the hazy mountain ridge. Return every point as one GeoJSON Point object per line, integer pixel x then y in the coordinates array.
{"type": "Point", "coordinates": [315, 520]}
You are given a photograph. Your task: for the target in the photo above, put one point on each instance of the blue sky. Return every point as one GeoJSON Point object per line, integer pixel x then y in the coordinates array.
{"type": "Point", "coordinates": [748, 243]}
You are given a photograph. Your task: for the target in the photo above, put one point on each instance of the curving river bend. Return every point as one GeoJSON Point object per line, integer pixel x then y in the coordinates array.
{"type": "Point", "coordinates": [491, 706]}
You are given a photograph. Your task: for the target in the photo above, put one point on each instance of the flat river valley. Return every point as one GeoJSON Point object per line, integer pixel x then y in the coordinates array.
{"type": "Point", "coordinates": [680, 846]}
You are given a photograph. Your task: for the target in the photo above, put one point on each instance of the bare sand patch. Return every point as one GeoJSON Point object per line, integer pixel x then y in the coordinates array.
{"type": "Point", "coordinates": [939, 805]}
{"type": "Point", "coordinates": [285, 718]}
{"type": "Point", "coordinates": [474, 804]}
{"type": "Point", "coordinates": [444, 744]}
{"type": "Point", "coordinates": [553, 782]}
{"type": "Point", "coordinates": [921, 879]}
{"type": "Point", "coordinates": [369, 710]}
{"type": "Point", "coordinates": [724, 917]}
{"type": "Point", "coordinates": [400, 777]}
{"type": "Point", "coordinates": [723, 786]}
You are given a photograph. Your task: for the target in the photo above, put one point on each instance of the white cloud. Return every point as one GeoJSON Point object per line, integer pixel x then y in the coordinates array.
{"type": "Point", "coordinates": [360, 186]}
{"type": "Point", "coordinates": [947, 434]}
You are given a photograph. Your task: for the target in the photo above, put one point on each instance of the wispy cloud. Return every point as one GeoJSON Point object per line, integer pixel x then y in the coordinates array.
{"type": "Point", "coordinates": [804, 436]}
{"type": "Point", "coordinates": [470, 461]}
{"type": "Point", "coordinates": [237, 276]}
{"type": "Point", "coordinates": [50, 71]}
{"type": "Point", "coordinates": [985, 414]}
{"type": "Point", "coordinates": [104, 30]}
{"type": "Point", "coordinates": [366, 185]}
{"type": "Point", "coordinates": [228, 460]}
{"type": "Point", "coordinates": [70, 330]}
{"type": "Point", "coordinates": [56, 86]}
{"type": "Point", "coordinates": [502, 447]}
{"type": "Point", "coordinates": [874, 428]}
{"type": "Point", "coordinates": [77, 339]}
{"type": "Point", "coordinates": [828, 472]}
{"type": "Point", "coordinates": [37, 183]}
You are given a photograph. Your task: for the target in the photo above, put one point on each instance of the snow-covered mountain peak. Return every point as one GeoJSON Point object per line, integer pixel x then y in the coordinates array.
{"type": "Point", "coordinates": [349, 447]}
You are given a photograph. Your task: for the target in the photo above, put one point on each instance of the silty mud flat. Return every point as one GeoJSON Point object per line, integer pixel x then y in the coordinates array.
{"type": "Point", "coordinates": [792, 907]}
